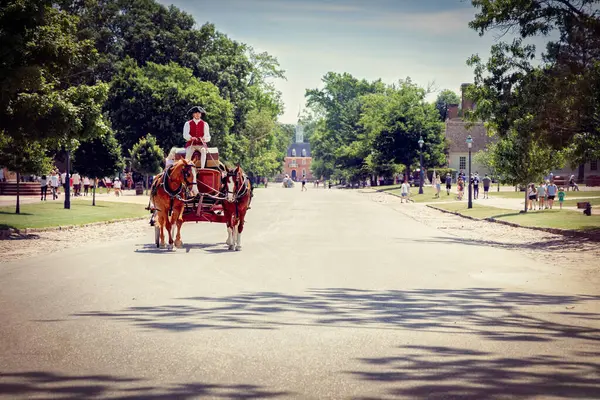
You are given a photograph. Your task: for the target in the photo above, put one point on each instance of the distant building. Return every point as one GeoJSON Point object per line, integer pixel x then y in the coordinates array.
{"type": "Point", "coordinates": [298, 158]}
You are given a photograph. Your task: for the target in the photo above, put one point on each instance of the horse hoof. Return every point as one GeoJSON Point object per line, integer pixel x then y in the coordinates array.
{"type": "Point", "coordinates": [162, 245]}
{"type": "Point", "coordinates": [170, 247]}
{"type": "Point", "coordinates": [238, 248]}
{"type": "Point", "coordinates": [179, 243]}
{"type": "Point", "coordinates": [231, 247]}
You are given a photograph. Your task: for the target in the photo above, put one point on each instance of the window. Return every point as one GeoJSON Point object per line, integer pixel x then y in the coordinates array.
{"type": "Point", "coordinates": [304, 161]}
{"type": "Point", "coordinates": [293, 164]}
{"type": "Point", "coordinates": [303, 152]}
{"type": "Point", "coordinates": [293, 152]}
{"type": "Point", "coordinates": [462, 163]}
{"type": "Point", "coordinates": [303, 173]}
{"type": "Point", "coordinates": [594, 165]}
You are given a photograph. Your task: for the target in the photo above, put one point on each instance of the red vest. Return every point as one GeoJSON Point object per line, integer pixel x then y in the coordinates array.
{"type": "Point", "coordinates": [196, 130]}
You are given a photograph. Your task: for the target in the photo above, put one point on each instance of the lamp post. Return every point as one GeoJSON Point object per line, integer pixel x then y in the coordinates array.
{"type": "Point", "coordinates": [470, 144]}
{"type": "Point", "coordinates": [421, 165]}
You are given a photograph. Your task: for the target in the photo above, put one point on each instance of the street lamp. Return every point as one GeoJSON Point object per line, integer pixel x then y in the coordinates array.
{"type": "Point", "coordinates": [470, 144]}
{"type": "Point", "coordinates": [421, 165]}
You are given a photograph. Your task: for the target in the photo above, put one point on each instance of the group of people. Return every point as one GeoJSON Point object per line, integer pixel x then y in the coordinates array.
{"type": "Point", "coordinates": [543, 195]}
{"type": "Point", "coordinates": [56, 180]}
{"type": "Point", "coordinates": [475, 180]}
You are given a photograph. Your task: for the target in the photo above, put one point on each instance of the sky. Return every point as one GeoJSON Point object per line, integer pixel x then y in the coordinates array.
{"type": "Point", "coordinates": [426, 40]}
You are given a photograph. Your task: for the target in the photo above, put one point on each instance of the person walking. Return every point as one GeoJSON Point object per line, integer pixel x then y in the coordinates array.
{"type": "Point", "coordinates": [541, 191]}
{"type": "Point", "coordinates": [552, 191]}
{"type": "Point", "coordinates": [561, 196]}
{"type": "Point", "coordinates": [476, 186]}
{"type": "Point", "coordinates": [54, 184]}
{"type": "Point", "coordinates": [460, 184]}
{"type": "Point", "coordinates": [43, 187]}
{"type": "Point", "coordinates": [76, 184]}
{"type": "Point", "coordinates": [304, 184]}
{"type": "Point", "coordinates": [448, 183]}
{"type": "Point", "coordinates": [486, 186]}
{"type": "Point", "coordinates": [405, 192]}
{"type": "Point", "coordinates": [438, 186]}
{"type": "Point", "coordinates": [86, 185]}
{"type": "Point", "coordinates": [531, 195]}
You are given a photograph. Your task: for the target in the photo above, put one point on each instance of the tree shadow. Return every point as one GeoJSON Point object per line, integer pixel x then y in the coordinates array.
{"type": "Point", "coordinates": [20, 236]}
{"type": "Point", "coordinates": [455, 373]}
{"type": "Point", "coordinates": [49, 384]}
{"type": "Point", "coordinates": [489, 313]}
{"type": "Point", "coordinates": [560, 244]}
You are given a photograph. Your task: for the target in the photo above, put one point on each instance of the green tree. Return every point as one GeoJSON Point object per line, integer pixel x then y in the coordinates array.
{"type": "Point", "coordinates": [562, 92]}
{"type": "Point", "coordinates": [147, 158]}
{"type": "Point", "coordinates": [23, 159]}
{"type": "Point", "coordinates": [445, 99]}
{"type": "Point", "coordinates": [487, 159]}
{"type": "Point", "coordinates": [155, 98]}
{"type": "Point", "coordinates": [98, 158]}
{"type": "Point", "coordinates": [397, 119]}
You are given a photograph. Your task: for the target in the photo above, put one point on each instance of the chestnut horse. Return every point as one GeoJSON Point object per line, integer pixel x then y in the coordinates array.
{"type": "Point", "coordinates": [168, 195]}
{"type": "Point", "coordinates": [238, 193]}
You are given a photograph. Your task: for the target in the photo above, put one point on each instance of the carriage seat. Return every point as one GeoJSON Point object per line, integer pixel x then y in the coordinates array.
{"type": "Point", "coordinates": [212, 158]}
{"type": "Point", "coordinates": [209, 181]}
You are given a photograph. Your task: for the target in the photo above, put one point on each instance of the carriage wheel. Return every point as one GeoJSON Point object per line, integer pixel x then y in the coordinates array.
{"type": "Point", "coordinates": [157, 236]}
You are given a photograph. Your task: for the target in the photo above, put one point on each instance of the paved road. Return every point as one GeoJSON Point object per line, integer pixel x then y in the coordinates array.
{"type": "Point", "coordinates": [333, 296]}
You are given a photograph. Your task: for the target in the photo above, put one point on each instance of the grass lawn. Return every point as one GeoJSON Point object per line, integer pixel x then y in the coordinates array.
{"type": "Point", "coordinates": [560, 219]}
{"type": "Point", "coordinates": [52, 213]}
{"type": "Point", "coordinates": [521, 195]}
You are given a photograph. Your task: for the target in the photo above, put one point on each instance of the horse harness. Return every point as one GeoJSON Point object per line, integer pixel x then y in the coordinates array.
{"type": "Point", "coordinates": [238, 194]}
{"type": "Point", "coordinates": [174, 194]}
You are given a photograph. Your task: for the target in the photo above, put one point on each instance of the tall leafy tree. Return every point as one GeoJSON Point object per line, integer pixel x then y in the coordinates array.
{"type": "Point", "coordinates": [147, 158]}
{"type": "Point", "coordinates": [98, 158]}
{"type": "Point", "coordinates": [155, 98]}
{"type": "Point", "coordinates": [43, 63]}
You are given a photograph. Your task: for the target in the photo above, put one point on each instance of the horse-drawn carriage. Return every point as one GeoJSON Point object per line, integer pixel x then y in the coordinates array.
{"type": "Point", "coordinates": [184, 192]}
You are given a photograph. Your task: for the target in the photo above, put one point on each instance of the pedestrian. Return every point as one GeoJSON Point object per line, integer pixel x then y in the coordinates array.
{"type": "Point", "coordinates": [77, 184]}
{"type": "Point", "coordinates": [304, 184]}
{"type": "Point", "coordinates": [54, 184]}
{"type": "Point", "coordinates": [561, 196]}
{"type": "Point", "coordinates": [405, 192]}
{"type": "Point", "coordinates": [438, 186]}
{"type": "Point", "coordinates": [43, 187]}
{"type": "Point", "coordinates": [2, 179]}
{"type": "Point", "coordinates": [573, 184]}
{"type": "Point", "coordinates": [541, 191]}
{"type": "Point", "coordinates": [108, 184]}
{"type": "Point", "coordinates": [86, 185]}
{"type": "Point", "coordinates": [531, 195]}
{"type": "Point", "coordinates": [551, 189]}
{"type": "Point", "coordinates": [486, 186]}
{"type": "Point", "coordinates": [448, 183]}
{"type": "Point", "coordinates": [476, 185]}
{"type": "Point", "coordinates": [117, 186]}
{"type": "Point", "coordinates": [461, 187]}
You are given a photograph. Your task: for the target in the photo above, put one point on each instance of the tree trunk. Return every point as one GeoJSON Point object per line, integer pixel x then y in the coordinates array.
{"type": "Point", "coordinates": [581, 173]}
{"type": "Point", "coordinates": [498, 185]}
{"type": "Point", "coordinates": [146, 184]}
{"type": "Point", "coordinates": [18, 210]}
{"type": "Point", "coordinates": [68, 182]}
{"type": "Point", "coordinates": [94, 192]}
{"type": "Point", "coordinates": [526, 198]}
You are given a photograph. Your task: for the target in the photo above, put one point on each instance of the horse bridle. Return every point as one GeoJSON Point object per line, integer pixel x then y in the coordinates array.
{"type": "Point", "coordinates": [186, 172]}
{"type": "Point", "coordinates": [241, 190]}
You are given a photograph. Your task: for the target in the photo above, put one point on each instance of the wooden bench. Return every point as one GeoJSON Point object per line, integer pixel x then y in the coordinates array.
{"type": "Point", "coordinates": [585, 206]}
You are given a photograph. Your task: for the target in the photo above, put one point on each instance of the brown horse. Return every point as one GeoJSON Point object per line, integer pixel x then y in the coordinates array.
{"type": "Point", "coordinates": [168, 195]}
{"type": "Point", "coordinates": [238, 193]}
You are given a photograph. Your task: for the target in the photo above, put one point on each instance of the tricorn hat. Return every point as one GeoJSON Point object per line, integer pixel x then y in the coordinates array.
{"type": "Point", "coordinates": [196, 109]}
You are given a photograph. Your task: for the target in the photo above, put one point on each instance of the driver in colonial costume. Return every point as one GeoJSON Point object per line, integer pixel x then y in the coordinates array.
{"type": "Point", "coordinates": [196, 133]}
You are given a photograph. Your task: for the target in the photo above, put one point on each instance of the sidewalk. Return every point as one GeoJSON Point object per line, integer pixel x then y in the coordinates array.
{"type": "Point", "coordinates": [128, 196]}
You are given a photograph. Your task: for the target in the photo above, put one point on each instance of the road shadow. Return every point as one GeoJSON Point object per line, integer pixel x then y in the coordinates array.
{"type": "Point", "coordinates": [486, 313]}
{"type": "Point", "coordinates": [55, 385]}
{"type": "Point", "coordinates": [428, 372]}
{"type": "Point", "coordinates": [560, 244]}
{"type": "Point", "coordinates": [151, 248]}
{"type": "Point", "coordinates": [19, 236]}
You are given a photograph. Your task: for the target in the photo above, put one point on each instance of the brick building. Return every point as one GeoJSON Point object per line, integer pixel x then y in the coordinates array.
{"type": "Point", "coordinates": [297, 162]}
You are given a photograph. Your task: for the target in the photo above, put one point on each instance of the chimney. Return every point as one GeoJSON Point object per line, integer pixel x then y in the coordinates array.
{"type": "Point", "coordinates": [467, 104]}
{"type": "Point", "coordinates": [452, 111]}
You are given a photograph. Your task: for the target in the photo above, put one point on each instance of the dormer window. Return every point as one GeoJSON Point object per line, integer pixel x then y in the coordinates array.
{"type": "Point", "coordinates": [303, 152]}
{"type": "Point", "coordinates": [293, 152]}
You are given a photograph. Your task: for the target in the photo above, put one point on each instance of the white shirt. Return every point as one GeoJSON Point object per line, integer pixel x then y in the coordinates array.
{"type": "Point", "coordinates": [86, 181]}
{"type": "Point", "coordinates": [186, 131]}
{"type": "Point", "coordinates": [63, 177]}
{"type": "Point", "coordinates": [54, 180]}
{"type": "Point", "coordinates": [76, 179]}
{"type": "Point", "coordinates": [117, 185]}
{"type": "Point", "coordinates": [405, 187]}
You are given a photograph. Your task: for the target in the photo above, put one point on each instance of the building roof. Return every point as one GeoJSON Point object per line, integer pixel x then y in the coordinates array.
{"type": "Point", "coordinates": [456, 135]}
{"type": "Point", "coordinates": [299, 147]}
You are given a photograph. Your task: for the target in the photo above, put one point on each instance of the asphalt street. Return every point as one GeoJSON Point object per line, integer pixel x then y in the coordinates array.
{"type": "Point", "coordinates": [334, 296]}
